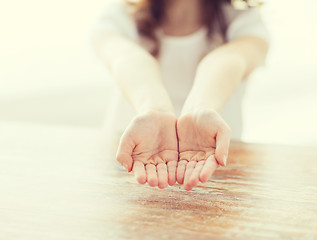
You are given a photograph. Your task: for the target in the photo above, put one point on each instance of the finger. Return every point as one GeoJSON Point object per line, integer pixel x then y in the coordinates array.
{"type": "Point", "coordinates": [194, 178]}
{"type": "Point", "coordinates": [222, 146]}
{"type": "Point", "coordinates": [181, 166]}
{"type": "Point", "coordinates": [139, 172]}
{"type": "Point", "coordinates": [124, 153]}
{"type": "Point", "coordinates": [151, 175]}
{"type": "Point", "coordinates": [189, 169]}
{"type": "Point", "coordinates": [171, 169]}
{"type": "Point", "coordinates": [162, 175]}
{"type": "Point", "coordinates": [208, 169]}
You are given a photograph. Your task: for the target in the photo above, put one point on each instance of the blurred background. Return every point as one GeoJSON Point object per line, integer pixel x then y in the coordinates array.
{"type": "Point", "coordinates": [50, 75]}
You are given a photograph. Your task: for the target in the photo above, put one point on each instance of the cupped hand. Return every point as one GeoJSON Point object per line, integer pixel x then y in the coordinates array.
{"type": "Point", "coordinates": [149, 148]}
{"type": "Point", "coordinates": [203, 139]}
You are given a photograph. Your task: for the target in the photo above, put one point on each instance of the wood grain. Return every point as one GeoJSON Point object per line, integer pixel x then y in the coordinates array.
{"type": "Point", "coordinates": [62, 183]}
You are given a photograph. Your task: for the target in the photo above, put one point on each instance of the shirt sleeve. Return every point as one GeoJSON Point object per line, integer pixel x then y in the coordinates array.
{"type": "Point", "coordinates": [241, 23]}
{"type": "Point", "coordinates": [116, 18]}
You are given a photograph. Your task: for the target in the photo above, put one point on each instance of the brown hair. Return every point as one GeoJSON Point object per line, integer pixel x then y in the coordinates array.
{"type": "Point", "coordinates": [148, 15]}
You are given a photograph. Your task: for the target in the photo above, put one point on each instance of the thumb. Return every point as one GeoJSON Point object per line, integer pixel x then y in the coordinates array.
{"type": "Point", "coordinates": [124, 153]}
{"type": "Point", "coordinates": [222, 146]}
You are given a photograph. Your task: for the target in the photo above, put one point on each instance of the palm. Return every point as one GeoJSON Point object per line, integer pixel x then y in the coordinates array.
{"type": "Point", "coordinates": [149, 147]}
{"type": "Point", "coordinates": [198, 141]}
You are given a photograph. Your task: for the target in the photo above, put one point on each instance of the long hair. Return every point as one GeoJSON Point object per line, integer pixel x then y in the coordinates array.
{"type": "Point", "coordinates": [148, 16]}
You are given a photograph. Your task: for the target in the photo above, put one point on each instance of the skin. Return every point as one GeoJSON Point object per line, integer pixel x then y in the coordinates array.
{"type": "Point", "coordinates": [149, 148]}
{"type": "Point", "coordinates": [203, 139]}
{"type": "Point", "coordinates": [159, 148]}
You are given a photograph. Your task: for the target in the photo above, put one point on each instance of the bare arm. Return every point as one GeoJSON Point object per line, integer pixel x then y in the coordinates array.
{"type": "Point", "coordinates": [148, 146]}
{"type": "Point", "coordinates": [135, 70]}
{"type": "Point", "coordinates": [201, 130]}
{"type": "Point", "coordinates": [221, 71]}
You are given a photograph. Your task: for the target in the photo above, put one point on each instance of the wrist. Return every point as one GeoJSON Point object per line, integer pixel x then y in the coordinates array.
{"type": "Point", "coordinates": [194, 105]}
{"type": "Point", "coordinates": [156, 116]}
{"type": "Point", "coordinates": [198, 111]}
{"type": "Point", "coordinates": [156, 108]}
{"type": "Point", "coordinates": [155, 101]}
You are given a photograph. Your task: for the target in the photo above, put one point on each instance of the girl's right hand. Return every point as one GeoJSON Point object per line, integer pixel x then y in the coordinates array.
{"type": "Point", "coordinates": [148, 147]}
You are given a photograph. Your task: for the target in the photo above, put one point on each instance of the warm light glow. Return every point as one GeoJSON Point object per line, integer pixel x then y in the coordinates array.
{"type": "Point", "coordinates": [48, 67]}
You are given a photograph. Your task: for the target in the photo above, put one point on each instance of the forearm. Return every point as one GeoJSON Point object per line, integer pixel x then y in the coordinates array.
{"type": "Point", "coordinates": [139, 78]}
{"type": "Point", "coordinates": [221, 71]}
{"type": "Point", "coordinates": [215, 81]}
{"type": "Point", "coordinates": [136, 72]}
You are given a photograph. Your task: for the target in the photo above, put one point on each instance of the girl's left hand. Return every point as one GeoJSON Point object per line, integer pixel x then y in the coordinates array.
{"type": "Point", "coordinates": [203, 139]}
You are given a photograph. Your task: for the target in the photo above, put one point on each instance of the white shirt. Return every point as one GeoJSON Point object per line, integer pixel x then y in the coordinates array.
{"type": "Point", "coordinates": [178, 59]}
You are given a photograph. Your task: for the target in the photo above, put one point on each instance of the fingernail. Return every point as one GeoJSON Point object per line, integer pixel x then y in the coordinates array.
{"type": "Point", "coordinates": [125, 165]}
{"type": "Point", "coordinates": [225, 161]}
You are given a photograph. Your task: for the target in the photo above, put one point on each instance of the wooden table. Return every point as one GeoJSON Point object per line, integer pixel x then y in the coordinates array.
{"type": "Point", "coordinates": [61, 183]}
